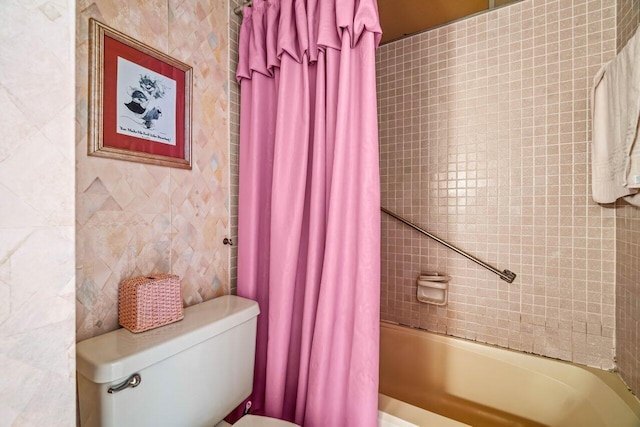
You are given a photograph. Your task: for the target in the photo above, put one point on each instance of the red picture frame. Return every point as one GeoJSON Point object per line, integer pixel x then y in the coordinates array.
{"type": "Point", "coordinates": [140, 101]}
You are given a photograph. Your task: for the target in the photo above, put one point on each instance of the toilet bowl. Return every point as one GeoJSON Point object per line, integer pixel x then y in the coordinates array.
{"type": "Point", "coordinates": [190, 373]}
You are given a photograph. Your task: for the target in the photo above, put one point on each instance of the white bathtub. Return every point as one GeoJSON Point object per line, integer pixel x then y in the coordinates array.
{"type": "Point", "coordinates": [433, 380]}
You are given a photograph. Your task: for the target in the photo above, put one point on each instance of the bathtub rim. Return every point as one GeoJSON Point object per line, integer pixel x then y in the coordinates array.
{"type": "Point", "coordinates": [610, 379]}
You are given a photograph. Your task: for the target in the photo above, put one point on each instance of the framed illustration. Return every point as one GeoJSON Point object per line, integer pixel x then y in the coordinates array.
{"type": "Point", "coordinates": [140, 101]}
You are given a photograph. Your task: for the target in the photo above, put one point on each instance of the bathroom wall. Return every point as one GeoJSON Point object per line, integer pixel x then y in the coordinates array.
{"type": "Point", "coordinates": [484, 131]}
{"type": "Point", "coordinates": [628, 248]}
{"type": "Point", "coordinates": [37, 346]}
{"type": "Point", "coordinates": [628, 295]}
{"type": "Point", "coordinates": [234, 136]}
{"type": "Point", "coordinates": [628, 16]}
{"type": "Point", "coordinates": [134, 219]}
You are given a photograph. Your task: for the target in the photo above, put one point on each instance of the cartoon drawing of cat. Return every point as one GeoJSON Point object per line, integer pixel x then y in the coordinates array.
{"type": "Point", "coordinates": [142, 98]}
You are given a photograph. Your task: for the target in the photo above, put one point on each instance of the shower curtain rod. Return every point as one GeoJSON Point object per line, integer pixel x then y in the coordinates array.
{"type": "Point", "coordinates": [238, 9]}
{"type": "Point", "coordinates": [506, 275]}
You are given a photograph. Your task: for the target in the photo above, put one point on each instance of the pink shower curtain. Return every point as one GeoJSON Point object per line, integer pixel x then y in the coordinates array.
{"type": "Point", "coordinates": [309, 212]}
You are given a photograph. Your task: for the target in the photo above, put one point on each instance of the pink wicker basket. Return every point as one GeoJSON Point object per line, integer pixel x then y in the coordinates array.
{"type": "Point", "coordinates": [147, 302]}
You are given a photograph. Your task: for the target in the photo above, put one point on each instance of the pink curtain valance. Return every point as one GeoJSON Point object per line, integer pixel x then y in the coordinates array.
{"type": "Point", "coordinates": [300, 28]}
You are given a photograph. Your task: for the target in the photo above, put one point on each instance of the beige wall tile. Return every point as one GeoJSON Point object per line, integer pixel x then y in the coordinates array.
{"type": "Point", "coordinates": [627, 291]}
{"type": "Point", "coordinates": [234, 136]}
{"type": "Point", "coordinates": [484, 141]}
{"type": "Point", "coordinates": [627, 19]}
{"type": "Point", "coordinates": [135, 219]}
{"type": "Point", "coordinates": [37, 339]}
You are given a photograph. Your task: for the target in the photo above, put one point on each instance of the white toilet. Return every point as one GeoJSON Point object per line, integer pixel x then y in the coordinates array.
{"type": "Point", "coordinates": [187, 374]}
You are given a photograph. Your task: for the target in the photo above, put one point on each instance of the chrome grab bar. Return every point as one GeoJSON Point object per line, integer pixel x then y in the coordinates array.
{"type": "Point", "coordinates": [506, 275]}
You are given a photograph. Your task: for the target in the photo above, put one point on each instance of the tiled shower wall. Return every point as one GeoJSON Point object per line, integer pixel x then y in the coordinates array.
{"type": "Point", "coordinates": [628, 295]}
{"type": "Point", "coordinates": [134, 219]}
{"type": "Point", "coordinates": [484, 130]}
{"type": "Point", "coordinates": [628, 16]}
{"type": "Point", "coordinates": [628, 249]}
{"type": "Point", "coordinates": [37, 339]}
{"type": "Point", "coordinates": [234, 138]}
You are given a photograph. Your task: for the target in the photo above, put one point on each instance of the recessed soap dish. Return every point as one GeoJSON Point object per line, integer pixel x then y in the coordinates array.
{"type": "Point", "coordinates": [433, 288]}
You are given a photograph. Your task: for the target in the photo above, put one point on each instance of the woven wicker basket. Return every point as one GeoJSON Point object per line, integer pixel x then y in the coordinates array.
{"type": "Point", "coordinates": [147, 302]}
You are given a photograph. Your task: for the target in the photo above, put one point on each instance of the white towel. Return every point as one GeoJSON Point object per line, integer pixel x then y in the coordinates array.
{"type": "Point", "coordinates": [615, 148]}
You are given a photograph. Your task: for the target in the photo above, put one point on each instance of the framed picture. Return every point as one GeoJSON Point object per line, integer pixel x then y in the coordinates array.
{"type": "Point", "coordinates": [140, 101]}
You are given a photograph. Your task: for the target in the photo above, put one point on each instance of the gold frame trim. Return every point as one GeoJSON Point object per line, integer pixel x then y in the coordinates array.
{"type": "Point", "coordinates": [97, 32]}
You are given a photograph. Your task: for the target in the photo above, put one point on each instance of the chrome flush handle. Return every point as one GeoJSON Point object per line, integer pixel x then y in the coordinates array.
{"type": "Point", "coordinates": [133, 381]}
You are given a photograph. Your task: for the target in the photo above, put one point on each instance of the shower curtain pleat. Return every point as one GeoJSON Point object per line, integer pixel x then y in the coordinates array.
{"type": "Point", "coordinates": [309, 219]}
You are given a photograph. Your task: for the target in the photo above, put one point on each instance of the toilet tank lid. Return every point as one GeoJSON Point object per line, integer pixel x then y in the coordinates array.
{"type": "Point", "coordinates": [121, 353]}
{"type": "Point", "coordinates": [258, 421]}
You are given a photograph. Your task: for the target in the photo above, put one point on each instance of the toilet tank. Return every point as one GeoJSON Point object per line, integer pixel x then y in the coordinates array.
{"type": "Point", "coordinates": [193, 372]}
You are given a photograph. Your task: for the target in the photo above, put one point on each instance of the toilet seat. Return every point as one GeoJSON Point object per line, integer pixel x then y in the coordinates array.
{"type": "Point", "coordinates": [258, 421]}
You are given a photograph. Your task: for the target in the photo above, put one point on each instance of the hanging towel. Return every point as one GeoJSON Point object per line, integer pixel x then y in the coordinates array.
{"type": "Point", "coordinates": [615, 148]}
